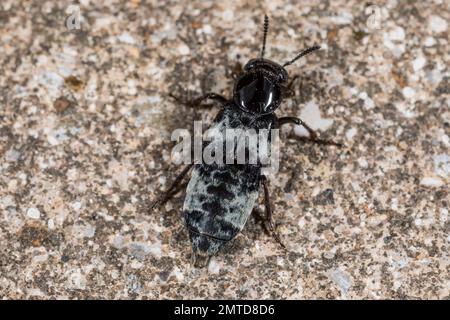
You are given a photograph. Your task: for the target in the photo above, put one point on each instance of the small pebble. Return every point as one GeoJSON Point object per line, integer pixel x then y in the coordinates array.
{"type": "Point", "coordinates": [408, 92]}
{"type": "Point", "coordinates": [351, 133]}
{"type": "Point", "coordinates": [61, 104]}
{"type": "Point", "coordinates": [184, 49]}
{"type": "Point", "coordinates": [431, 182]}
{"type": "Point", "coordinates": [126, 38]}
{"type": "Point", "coordinates": [33, 213]}
{"type": "Point", "coordinates": [438, 24]}
{"type": "Point", "coordinates": [419, 63]}
{"type": "Point", "coordinates": [342, 279]}
{"type": "Point", "coordinates": [430, 41]}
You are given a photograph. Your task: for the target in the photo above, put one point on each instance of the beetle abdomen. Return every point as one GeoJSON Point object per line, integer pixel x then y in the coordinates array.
{"type": "Point", "coordinates": [219, 200]}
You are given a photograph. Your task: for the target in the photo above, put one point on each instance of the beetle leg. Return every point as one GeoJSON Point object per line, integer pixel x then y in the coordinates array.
{"type": "Point", "coordinates": [291, 83]}
{"type": "Point", "coordinates": [288, 91]}
{"type": "Point", "coordinates": [198, 102]}
{"type": "Point", "coordinates": [268, 207]}
{"type": "Point", "coordinates": [312, 134]}
{"type": "Point", "coordinates": [259, 218]}
{"type": "Point", "coordinates": [237, 70]}
{"type": "Point", "coordinates": [173, 189]}
{"type": "Point", "coordinates": [212, 96]}
{"type": "Point", "coordinates": [200, 261]}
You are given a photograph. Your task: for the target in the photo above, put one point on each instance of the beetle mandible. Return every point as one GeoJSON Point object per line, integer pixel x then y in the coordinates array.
{"type": "Point", "coordinates": [221, 197]}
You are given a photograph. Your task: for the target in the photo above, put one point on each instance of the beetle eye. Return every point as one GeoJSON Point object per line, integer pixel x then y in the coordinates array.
{"type": "Point", "coordinates": [257, 94]}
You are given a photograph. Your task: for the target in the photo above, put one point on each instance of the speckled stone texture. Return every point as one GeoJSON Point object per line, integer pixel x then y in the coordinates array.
{"type": "Point", "coordinates": [85, 126]}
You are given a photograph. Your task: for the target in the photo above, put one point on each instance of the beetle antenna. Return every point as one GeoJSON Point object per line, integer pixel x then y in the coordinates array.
{"type": "Point", "coordinates": [301, 54]}
{"type": "Point", "coordinates": [266, 28]}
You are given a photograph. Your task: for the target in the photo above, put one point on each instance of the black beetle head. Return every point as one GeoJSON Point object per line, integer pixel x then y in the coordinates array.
{"type": "Point", "coordinates": [259, 89]}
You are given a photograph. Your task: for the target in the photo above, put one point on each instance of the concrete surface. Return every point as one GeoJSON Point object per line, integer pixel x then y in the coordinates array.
{"type": "Point", "coordinates": [85, 124]}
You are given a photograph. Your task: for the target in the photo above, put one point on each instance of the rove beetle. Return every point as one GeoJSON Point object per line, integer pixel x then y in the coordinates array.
{"type": "Point", "coordinates": [221, 197]}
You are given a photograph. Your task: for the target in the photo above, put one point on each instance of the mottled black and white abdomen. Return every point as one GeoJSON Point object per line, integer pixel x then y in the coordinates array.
{"type": "Point", "coordinates": [221, 197]}
{"type": "Point", "coordinates": [219, 200]}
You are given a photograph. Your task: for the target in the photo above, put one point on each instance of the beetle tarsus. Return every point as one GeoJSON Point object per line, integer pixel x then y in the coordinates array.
{"type": "Point", "coordinates": [200, 260]}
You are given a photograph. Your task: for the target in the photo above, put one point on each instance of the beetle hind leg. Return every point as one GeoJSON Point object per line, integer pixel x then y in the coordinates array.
{"type": "Point", "coordinates": [174, 188]}
{"type": "Point", "coordinates": [268, 211]}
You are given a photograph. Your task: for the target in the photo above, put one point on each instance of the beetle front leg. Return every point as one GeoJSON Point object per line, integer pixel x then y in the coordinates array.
{"type": "Point", "coordinates": [198, 102]}
{"type": "Point", "coordinates": [268, 209]}
{"type": "Point", "coordinates": [174, 188]}
{"type": "Point", "coordinates": [312, 134]}
{"type": "Point", "coordinates": [237, 70]}
{"type": "Point", "coordinates": [288, 90]}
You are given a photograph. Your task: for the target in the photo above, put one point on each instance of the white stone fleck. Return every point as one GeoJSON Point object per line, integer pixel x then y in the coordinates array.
{"type": "Point", "coordinates": [397, 34]}
{"type": "Point", "coordinates": [363, 95]}
{"type": "Point", "coordinates": [126, 38]}
{"type": "Point", "coordinates": [376, 220]}
{"type": "Point", "coordinates": [394, 204]}
{"type": "Point", "coordinates": [368, 102]}
{"type": "Point", "coordinates": [419, 63]}
{"type": "Point", "coordinates": [77, 281]}
{"type": "Point", "coordinates": [429, 42]}
{"type": "Point", "coordinates": [434, 76]}
{"type": "Point", "coordinates": [445, 139]}
{"type": "Point", "coordinates": [363, 163]}
{"type": "Point", "coordinates": [83, 231]}
{"type": "Point", "coordinates": [162, 180]}
{"type": "Point", "coordinates": [35, 292]}
{"type": "Point", "coordinates": [33, 213]}
{"type": "Point", "coordinates": [437, 24]}
{"type": "Point", "coordinates": [178, 274]}
{"type": "Point", "coordinates": [135, 264]}
{"type": "Point", "coordinates": [51, 224]}
{"type": "Point", "coordinates": [443, 217]}
{"type": "Point", "coordinates": [141, 249]}
{"type": "Point", "coordinates": [334, 77]}
{"type": "Point", "coordinates": [132, 91]}
{"type": "Point", "coordinates": [228, 15]}
{"type": "Point", "coordinates": [51, 80]}
{"type": "Point", "coordinates": [118, 242]}
{"type": "Point", "coordinates": [12, 155]}
{"type": "Point", "coordinates": [442, 165]}
{"type": "Point", "coordinates": [76, 205]}
{"type": "Point", "coordinates": [214, 266]}
{"type": "Point", "coordinates": [329, 254]}
{"type": "Point", "coordinates": [7, 201]}
{"type": "Point", "coordinates": [311, 115]}
{"type": "Point", "coordinates": [342, 279]}
{"type": "Point", "coordinates": [41, 255]}
{"type": "Point", "coordinates": [408, 92]}
{"type": "Point", "coordinates": [89, 231]}
{"type": "Point", "coordinates": [344, 17]}
{"type": "Point", "coordinates": [207, 29]}
{"type": "Point", "coordinates": [394, 40]}
{"type": "Point", "coordinates": [407, 109]}
{"type": "Point", "coordinates": [183, 49]}
{"type": "Point", "coordinates": [431, 182]}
